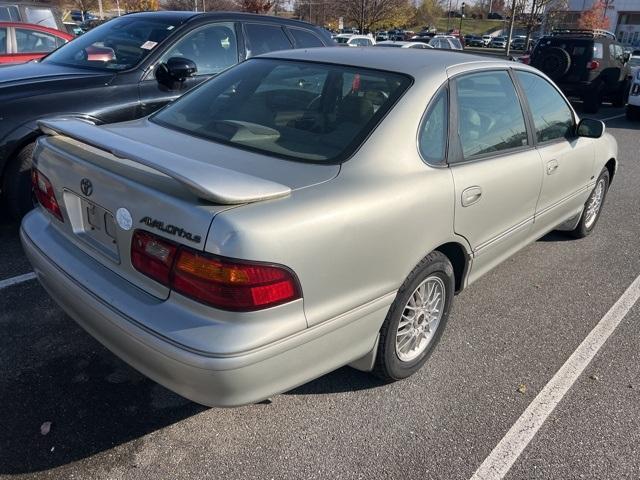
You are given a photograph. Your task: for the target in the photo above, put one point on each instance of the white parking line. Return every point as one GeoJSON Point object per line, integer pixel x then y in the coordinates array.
{"type": "Point", "coordinates": [504, 455]}
{"type": "Point", "coordinates": [612, 118]}
{"type": "Point", "coordinates": [16, 280]}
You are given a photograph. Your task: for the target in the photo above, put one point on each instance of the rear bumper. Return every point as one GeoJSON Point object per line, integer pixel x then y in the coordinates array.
{"type": "Point", "coordinates": [225, 380]}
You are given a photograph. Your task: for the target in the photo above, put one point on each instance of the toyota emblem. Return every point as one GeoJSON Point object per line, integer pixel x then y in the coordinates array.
{"type": "Point", "coordinates": [86, 186]}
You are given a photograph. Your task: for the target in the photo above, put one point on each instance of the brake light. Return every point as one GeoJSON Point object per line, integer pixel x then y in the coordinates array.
{"type": "Point", "coordinates": [44, 193]}
{"type": "Point", "coordinates": [153, 256]}
{"type": "Point", "coordinates": [593, 65]}
{"type": "Point", "coordinates": [219, 282]}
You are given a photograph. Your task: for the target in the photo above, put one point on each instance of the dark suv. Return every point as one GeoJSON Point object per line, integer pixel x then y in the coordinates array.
{"type": "Point", "coordinates": [125, 69]}
{"type": "Point", "coordinates": [589, 64]}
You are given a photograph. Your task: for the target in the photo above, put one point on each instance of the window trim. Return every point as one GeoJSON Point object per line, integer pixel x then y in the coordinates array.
{"type": "Point", "coordinates": [532, 125]}
{"type": "Point", "coordinates": [442, 89]}
{"type": "Point", "coordinates": [454, 138]}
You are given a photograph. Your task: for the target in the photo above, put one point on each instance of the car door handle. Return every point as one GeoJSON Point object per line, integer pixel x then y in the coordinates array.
{"type": "Point", "coordinates": [552, 166]}
{"type": "Point", "coordinates": [471, 195]}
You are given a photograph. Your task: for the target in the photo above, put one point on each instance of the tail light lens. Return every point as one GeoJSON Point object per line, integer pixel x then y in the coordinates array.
{"type": "Point", "coordinates": [44, 193]}
{"type": "Point", "coordinates": [219, 282]}
{"type": "Point", "coordinates": [593, 65]}
{"type": "Point", "coordinates": [153, 256]}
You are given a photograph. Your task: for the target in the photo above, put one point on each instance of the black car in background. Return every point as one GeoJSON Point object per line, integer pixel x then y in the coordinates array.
{"type": "Point", "coordinates": [125, 69]}
{"type": "Point", "coordinates": [589, 64]}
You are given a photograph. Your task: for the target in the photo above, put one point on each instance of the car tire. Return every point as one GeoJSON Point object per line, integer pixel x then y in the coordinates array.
{"type": "Point", "coordinates": [621, 96]}
{"type": "Point", "coordinates": [593, 206]}
{"type": "Point", "coordinates": [16, 187]}
{"type": "Point", "coordinates": [406, 339]}
{"type": "Point", "coordinates": [556, 62]}
{"type": "Point", "coordinates": [592, 101]}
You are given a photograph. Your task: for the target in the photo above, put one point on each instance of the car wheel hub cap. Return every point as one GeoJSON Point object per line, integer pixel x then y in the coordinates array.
{"type": "Point", "coordinates": [594, 204]}
{"type": "Point", "coordinates": [420, 319]}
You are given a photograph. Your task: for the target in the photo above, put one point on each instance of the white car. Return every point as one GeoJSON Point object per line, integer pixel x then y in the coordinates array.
{"type": "Point", "coordinates": [404, 44]}
{"type": "Point", "coordinates": [346, 39]}
{"type": "Point", "coordinates": [446, 42]}
{"type": "Point", "coordinates": [486, 39]}
{"type": "Point", "coordinates": [633, 104]}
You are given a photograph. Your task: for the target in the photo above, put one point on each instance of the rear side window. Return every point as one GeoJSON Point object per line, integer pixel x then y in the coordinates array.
{"type": "Point", "coordinates": [433, 132]}
{"type": "Point", "coordinates": [30, 41]}
{"type": "Point", "coordinates": [552, 117]}
{"type": "Point", "coordinates": [3, 41]}
{"type": "Point", "coordinates": [490, 117]}
{"type": "Point", "coordinates": [305, 39]}
{"type": "Point", "coordinates": [598, 50]}
{"type": "Point", "coordinates": [9, 13]}
{"type": "Point", "coordinates": [40, 16]}
{"type": "Point", "coordinates": [265, 38]}
{"type": "Point", "coordinates": [309, 112]}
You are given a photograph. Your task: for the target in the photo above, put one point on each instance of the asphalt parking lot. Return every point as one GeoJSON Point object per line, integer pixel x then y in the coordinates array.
{"type": "Point", "coordinates": [507, 337]}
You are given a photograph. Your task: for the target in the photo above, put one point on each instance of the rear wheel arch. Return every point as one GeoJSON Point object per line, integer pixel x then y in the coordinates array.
{"type": "Point", "coordinates": [459, 258]}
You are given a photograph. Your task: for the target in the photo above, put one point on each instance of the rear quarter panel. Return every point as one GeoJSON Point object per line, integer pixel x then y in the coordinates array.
{"type": "Point", "coordinates": [355, 238]}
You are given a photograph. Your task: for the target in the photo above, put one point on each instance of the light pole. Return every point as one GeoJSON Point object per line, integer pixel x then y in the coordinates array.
{"type": "Point", "coordinates": [448, 15]}
{"type": "Point", "coordinates": [461, 17]}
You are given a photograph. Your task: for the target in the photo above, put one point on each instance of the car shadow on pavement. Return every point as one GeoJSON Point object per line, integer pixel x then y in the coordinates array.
{"type": "Point", "coordinates": [54, 372]}
{"type": "Point", "coordinates": [345, 379]}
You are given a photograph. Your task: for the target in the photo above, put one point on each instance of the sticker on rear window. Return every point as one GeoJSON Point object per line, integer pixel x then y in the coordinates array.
{"type": "Point", "coordinates": [148, 45]}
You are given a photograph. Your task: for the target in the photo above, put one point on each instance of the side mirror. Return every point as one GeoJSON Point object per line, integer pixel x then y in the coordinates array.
{"type": "Point", "coordinates": [590, 128]}
{"type": "Point", "coordinates": [175, 71]}
{"type": "Point", "coordinates": [180, 68]}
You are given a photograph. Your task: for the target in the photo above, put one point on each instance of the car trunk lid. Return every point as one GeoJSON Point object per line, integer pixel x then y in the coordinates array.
{"type": "Point", "coordinates": [108, 185]}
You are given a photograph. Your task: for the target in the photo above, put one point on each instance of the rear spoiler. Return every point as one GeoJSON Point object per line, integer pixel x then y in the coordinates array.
{"type": "Point", "coordinates": [207, 181]}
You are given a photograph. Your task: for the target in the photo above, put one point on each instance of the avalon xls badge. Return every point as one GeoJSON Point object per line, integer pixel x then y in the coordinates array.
{"type": "Point", "coordinates": [170, 229]}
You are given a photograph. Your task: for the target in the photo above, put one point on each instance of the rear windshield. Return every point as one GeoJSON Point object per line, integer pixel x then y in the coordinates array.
{"type": "Point", "coordinates": [302, 111]}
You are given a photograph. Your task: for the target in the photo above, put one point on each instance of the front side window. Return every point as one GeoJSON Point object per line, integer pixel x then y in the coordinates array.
{"type": "Point", "coordinates": [265, 38]}
{"type": "Point", "coordinates": [31, 41]}
{"type": "Point", "coordinates": [552, 117]}
{"type": "Point", "coordinates": [40, 16]}
{"type": "Point", "coordinates": [3, 41]}
{"type": "Point", "coordinates": [308, 112]}
{"type": "Point", "coordinates": [305, 39]}
{"type": "Point", "coordinates": [213, 48]}
{"type": "Point", "coordinates": [119, 44]}
{"type": "Point", "coordinates": [490, 117]}
{"type": "Point", "coordinates": [433, 132]}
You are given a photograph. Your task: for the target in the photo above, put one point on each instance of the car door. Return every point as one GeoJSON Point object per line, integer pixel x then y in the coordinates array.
{"type": "Point", "coordinates": [32, 44]}
{"type": "Point", "coordinates": [212, 47]}
{"type": "Point", "coordinates": [496, 170]}
{"type": "Point", "coordinates": [567, 159]}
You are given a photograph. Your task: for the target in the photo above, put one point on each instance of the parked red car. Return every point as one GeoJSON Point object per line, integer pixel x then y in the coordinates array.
{"type": "Point", "coordinates": [22, 42]}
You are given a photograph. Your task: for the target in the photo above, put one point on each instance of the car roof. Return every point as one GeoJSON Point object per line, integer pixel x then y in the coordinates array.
{"type": "Point", "coordinates": [401, 60]}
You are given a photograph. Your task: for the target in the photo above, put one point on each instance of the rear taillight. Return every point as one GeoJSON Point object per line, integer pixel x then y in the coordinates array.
{"type": "Point", "coordinates": [43, 191]}
{"type": "Point", "coordinates": [153, 256]}
{"type": "Point", "coordinates": [219, 282]}
{"type": "Point", "coordinates": [593, 65]}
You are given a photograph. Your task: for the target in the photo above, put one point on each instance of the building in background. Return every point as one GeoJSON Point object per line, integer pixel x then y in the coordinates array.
{"type": "Point", "coordinates": [623, 15]}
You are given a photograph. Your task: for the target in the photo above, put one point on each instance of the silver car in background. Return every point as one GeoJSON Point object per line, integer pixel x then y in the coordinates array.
{"type": "Point", "coordinates": [306, 210]}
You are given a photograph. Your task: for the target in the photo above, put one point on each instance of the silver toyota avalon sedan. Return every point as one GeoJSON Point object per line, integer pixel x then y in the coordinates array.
{"type": "Point", "coordinates": [306, 210]}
